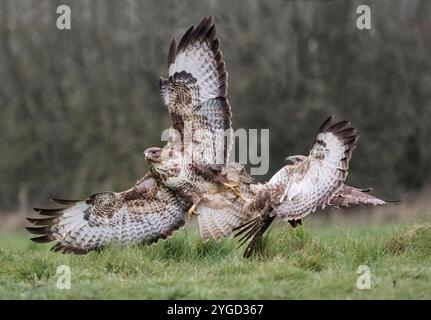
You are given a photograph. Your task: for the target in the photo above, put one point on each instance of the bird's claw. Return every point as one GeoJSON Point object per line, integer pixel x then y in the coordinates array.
{"type": "Point", "coordinates": [192, 211]}
{"type": "Point", "coordinates": [234, 188]}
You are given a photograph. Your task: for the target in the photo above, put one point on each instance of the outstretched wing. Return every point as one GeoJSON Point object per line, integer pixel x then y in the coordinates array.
{"type": "Point", "coordinates": [195, 94]}
{"type": "Point", "coordinates": [313, 182]}
{"type": "Point", "coordinates": [297, 190]}
{"type": "Point", "coordinates": [143, 214]}
{"type": "Point", "coordinates": [348, 197]}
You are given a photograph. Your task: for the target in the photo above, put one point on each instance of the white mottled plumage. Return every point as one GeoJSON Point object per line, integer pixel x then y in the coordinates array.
{"type": "Point", "coordinates": [218, 210]}
{"type": "Point", "coordinates": [310, 182]}
{"type": "Point", "coordinates": [196, 174]}
{"type": "Point", "coordinates": [195, 94]}
{"type": "Point", "coordinates": [143, 214]}
{"type": "Point", "coordinates": [221, 212]}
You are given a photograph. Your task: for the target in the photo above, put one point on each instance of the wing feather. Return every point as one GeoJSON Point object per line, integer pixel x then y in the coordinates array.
{"type": "Point", "coordinates": [195, 92]}
{"type": "Point", "coordinates": [348, 197]}
{"type": "Point", "coordinates": [143, 216]}
{"type": "Point", "coordinates": [222, 212]}
{"type": "Point", "coordinates": [315, 181]}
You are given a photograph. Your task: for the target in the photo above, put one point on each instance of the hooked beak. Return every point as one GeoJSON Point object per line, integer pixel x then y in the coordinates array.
{"type": "Point", "coordinates": [293, 159]}
{"type": "Point", "coordinates": [152, 155]}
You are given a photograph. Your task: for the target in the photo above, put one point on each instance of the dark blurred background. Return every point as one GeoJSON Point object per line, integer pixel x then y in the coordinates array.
{"type": "Point", "coordinates": [78, 107]}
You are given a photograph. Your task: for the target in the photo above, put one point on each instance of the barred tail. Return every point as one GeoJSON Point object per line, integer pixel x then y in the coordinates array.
{"type": "Point", "coordinates": [253, 230]}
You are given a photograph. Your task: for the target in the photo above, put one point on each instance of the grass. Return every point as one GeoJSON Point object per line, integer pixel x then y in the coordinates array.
{"type": "Point", "coordinates": [302, 263]}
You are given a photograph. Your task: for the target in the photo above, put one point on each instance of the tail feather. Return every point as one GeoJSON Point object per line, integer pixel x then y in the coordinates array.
{"type": "Point", "coordinates": [219, 215]}
{"type": "Point", "coordinates": [253, 231]}
{"type": "Point", "coordinates": [252, 246]}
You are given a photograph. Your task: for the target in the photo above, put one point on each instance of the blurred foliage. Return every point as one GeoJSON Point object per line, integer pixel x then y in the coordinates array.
{"type": "Point", "coordinates": [78, 107]}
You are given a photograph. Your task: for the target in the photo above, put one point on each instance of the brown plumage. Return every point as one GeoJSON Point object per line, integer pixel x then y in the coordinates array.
{"type": "Point", "coordinates": [350, 197]}
{"type": "Point", "coordinates": [290, 196]}
{"type": "Point", "coordinates": [222, 211]}
{"type": "Point", "coordinates": [195, 164]}
{"type": "Point", "coordinates": [217, 209]}
{"type": "Point", "coordinates": [195, 95]}
{"type": "Point", "coordinates": [310, 182]}
{"type": "Point", "coordinates": [195, 160]}
{"type": "Point", "coordinates": [192, 172]}
{"type": "Point", "coordinates": [143, 214]}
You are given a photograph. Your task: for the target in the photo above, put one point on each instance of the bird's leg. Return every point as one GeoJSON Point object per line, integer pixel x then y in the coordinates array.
{"type": "Point", "coordinates": [192, 211]}
{"type": "Point", "coordinates": [233, 187]}
{"type": "Point", "coordinates": [195, 199]}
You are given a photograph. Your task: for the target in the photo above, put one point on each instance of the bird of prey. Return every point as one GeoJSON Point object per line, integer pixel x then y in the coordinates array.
{"type": "Point", "coordinates": [195, 95]}
{"type": "Point", "coordinates": [310, 182]}
{"type": "Point", "coordinates": [193, 175]}
{"type": "Point", "coordinates": [219, 211]}
{"type": "Point", "coordinates": [195, 161]}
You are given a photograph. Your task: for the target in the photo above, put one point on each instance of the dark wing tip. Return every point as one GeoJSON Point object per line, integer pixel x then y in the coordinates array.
{"type": "Point", "coordinates": [57, 247]}
{"type": "Point", "coordinates": [64, 202]}
{"type": "Point", "coordinates": [43, 239]}
{"type": "Point", "coordinates": [339, 126]}
{"type": "Point", "coordinates": [172, 52]}
{"type": "Point", "coordinates": [205, 31]}
{"type": "Point", "coordinates": [210, 35]}
{"type": "Point", "coordinates": [215, 48]}
{"type": "Point", "coordinates": [397, 202]}
{"type": "Point", "coordinates": [202, 26]}
{"type": "Point", "coordinates": [345, 132]}
{"type": "Point", "coordinates": [48, 212]}
{"type": "Point", "coordinates": [326, 124]}
{"type": "Point", "coordinates": [185, 39]}
{"type": "Point", "coordinates": [43, 221]}
{"type": "Point", "coordinates": [60, 247]}
{"type": "Point", "coordinates": [39, 230]}
{"type": "Point", "coordinates": [31, 220]}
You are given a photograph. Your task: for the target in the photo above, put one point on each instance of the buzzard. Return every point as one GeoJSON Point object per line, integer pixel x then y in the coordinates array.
{"type": "Point", "coordinates": [191, 174]}
{"type": "Point", "coordinates": [195, 95]}
{"type": "Point", "coordinates": [310, 182]}
{"type": "Point", "coordinates": [190, 171]}
{"type": "Point", "coordinates": [195, 161]}
{"type": "Point", "coordinates": [219, 210]}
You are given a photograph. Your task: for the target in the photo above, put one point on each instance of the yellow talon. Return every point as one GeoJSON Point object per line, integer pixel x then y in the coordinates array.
{"type": "Point", "coordinates": [234, 188]}
{"type": "Point", "coordinates": [192, 211]}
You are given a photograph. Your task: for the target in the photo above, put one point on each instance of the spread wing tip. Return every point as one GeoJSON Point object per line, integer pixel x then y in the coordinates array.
{"type": "Point", "coordinates": [172, 52]}
{"type": "Point", "coordinates": [204, 32]}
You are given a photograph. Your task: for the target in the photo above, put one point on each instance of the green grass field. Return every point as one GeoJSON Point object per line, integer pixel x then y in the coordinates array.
{"type": "Point", "coordinates": [303, 263]}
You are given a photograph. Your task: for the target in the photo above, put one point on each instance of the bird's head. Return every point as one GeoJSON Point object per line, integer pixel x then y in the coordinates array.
{"type": "Point", "coordinates": [296, 159]}
{"type": "Point", "coordinates": [153, 155]}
